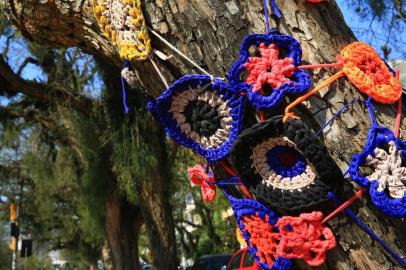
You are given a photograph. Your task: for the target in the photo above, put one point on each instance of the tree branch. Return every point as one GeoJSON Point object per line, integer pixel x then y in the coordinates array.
{"type": "Point", "coordinates": [28, 60]}
{"type": "Point", "coordinates": [11, 82]}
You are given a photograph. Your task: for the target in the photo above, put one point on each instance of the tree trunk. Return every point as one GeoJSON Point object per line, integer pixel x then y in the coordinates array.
{"type": "Point", "coordinates": [93, 266]}
{"type": "Point", "coordinates": [153, 199]}
{"type": "Point", "coordinates": [153, 178]}
{"type": "Point", "coordinates": [123, 223]}
{"type": "Point", "coordinates": [210, 31]}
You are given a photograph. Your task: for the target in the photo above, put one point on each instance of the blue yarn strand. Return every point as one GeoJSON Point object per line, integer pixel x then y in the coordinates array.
{"type": "Point", "coordinates": [367, 103]}
{"type": "Point", "coordinates": [275, 10]}
{"type": "Point", "coordinates": [124, 90]}
{"type": "Point", "coordinates": [335, 115]}
{"type": "Point", "coordinates": [369, 231]}
{"type": "Point", "coordinates": [268, 27]}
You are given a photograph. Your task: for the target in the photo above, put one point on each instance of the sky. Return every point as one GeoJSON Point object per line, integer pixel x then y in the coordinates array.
{"type": "Point", "coordinates": [375, 32]}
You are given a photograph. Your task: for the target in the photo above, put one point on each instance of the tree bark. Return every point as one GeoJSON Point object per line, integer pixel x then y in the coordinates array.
{"type": "Point", "coordinates": [123, 223]}
{"type": "Point", "coordinates": [153, 199]}
{"type": "Point", "coordinates": [209, 32]}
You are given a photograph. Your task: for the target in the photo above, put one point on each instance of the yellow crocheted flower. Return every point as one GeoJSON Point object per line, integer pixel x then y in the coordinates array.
{"type": "Point", "coordinates": [123, 23]}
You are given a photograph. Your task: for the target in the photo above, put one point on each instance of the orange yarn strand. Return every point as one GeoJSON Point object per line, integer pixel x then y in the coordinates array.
{"type": "Point", "coordinates": [299, 100]}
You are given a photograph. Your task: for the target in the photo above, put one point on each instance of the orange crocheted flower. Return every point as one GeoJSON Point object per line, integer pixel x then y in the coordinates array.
{"type": "Point", "coordinates": [263, 237]}
{"type": "Point", "coordinates": [368, 72]}
{"type": "Point", "coordinates": [303, 237]}
{"type": "Point", "coordinates": [269, 68]}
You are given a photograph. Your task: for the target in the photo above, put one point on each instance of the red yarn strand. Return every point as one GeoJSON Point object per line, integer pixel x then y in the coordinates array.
{"type": "Point", "coordinates": [344, 205]}
{"type": "Point", "coordinates": [262, 116]}
{"type": "Point", "coordinates": [233, 173]}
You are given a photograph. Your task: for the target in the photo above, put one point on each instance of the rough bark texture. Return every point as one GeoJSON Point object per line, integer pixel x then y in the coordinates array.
{"type": "Point", "coordinates": [209, 31]}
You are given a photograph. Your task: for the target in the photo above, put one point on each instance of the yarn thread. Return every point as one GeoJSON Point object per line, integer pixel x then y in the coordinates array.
{"type": "Point", "coordinates": [369, 231]}
{"type": "Point", "coordinates": [363, 67]}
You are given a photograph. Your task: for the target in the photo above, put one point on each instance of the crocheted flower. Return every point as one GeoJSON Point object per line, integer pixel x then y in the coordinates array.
{"type": "Point", "coordinates": [286, 164]}
{"type": "Point", "coordinates": [268, 70]}
{"type": "Point", "coordinates": [257, 225]}
{"type": "Point", "coordinates": [198, 176]}
{"type": "Point", "coordinates": [388, 170]}
{"type": "Point", "coordinates": [385, 155]}
{"type": "Point", "coordinates": [305, 237]}
{"type": "Point", "coordinates": [272, 240]}
{"type": "Point", "coordinates": [123, 23]}
{"type": "Point", "coordinates": [201, 114]}
{"type": "Point", "coordinates": [369, 73]}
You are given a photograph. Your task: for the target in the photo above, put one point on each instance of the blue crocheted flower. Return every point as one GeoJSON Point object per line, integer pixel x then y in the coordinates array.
{"type": "Point", "coordinates": [201, 113]}
{"type": "Point", "coordinates": [271, 72]}
{"type": "Point", "coordinates": [253, 218]}
{"type": "Point", "coordinates": [386, 156]}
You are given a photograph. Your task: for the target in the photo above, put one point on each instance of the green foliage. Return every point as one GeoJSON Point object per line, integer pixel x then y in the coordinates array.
{"type": "Point", "coordinates": [213, 231]}
{"type": "Point", "coordinates": [5, 253]}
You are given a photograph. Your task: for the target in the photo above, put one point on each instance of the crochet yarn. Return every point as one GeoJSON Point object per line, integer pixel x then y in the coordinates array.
{"type": "Point", "coordinates": [257, 223]}
{"type": "Point", "coordinates": [269, 70]}
{"type": "Point", "coordinates": [287, 165]}
{"type": "Point", "coordinates": [271, 239]}
{"type": "Point", "coordinates": [129, 77]}
{"type": "Point", "coordinates": [198, 176]}
{"type": "Point", "coordinates": [368, 72]}
{"type": "Point", "coordinates": [385, 155]}
{"type": "Point", "coordinates": [365, 70]}
{"type": "Point", "coordinates": [305, 237]}
{"type": "Point", "coordinates": [123, 23]}
{"type": "Point", "coordinates": [201, 113]}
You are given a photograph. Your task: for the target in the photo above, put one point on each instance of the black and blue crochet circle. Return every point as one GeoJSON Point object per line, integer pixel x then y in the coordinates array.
{"type": "Point", "coordinates": [299, 83]}
{"type": "Point", "coordinates": [378, 140]}
{"type": "Point", "coordinates": [202, 114]}
{"type": "Point", "coordinates": [286, 164]}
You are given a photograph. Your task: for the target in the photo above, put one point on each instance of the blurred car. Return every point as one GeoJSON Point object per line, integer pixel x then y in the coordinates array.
{"type": "Point", "coordinates": [242, 260]}
{"type": "Point", "coordinates": [212, 262]}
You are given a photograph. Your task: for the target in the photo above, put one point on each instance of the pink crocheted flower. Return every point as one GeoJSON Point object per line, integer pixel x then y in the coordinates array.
{"type": "Point", "coordinates": [305, 237]}
{"type": "Point", "coordinates": [198, 176]}
{"type": "Point", "coordinates": [208, 191]}
{"type": "Point", "coordinates": [269, 69]}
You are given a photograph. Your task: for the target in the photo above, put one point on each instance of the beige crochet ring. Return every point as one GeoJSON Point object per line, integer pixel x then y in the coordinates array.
{"type": "Point", "coordinates": [368, 72]}
{"type": "Point", "coordinates": [123, 23]}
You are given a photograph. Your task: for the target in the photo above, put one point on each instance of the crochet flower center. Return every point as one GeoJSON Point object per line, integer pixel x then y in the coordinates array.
{"type": "Point", "coordinates": [203, 116]}
{"type": "Point", "coordinates": [375, 70]}
{"type": "Point", "coordinates": [388, 170]}
{"type": "Point", "coordinates": [281, 164]}
{"type": "Point", "coordinates": [268, 69]}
